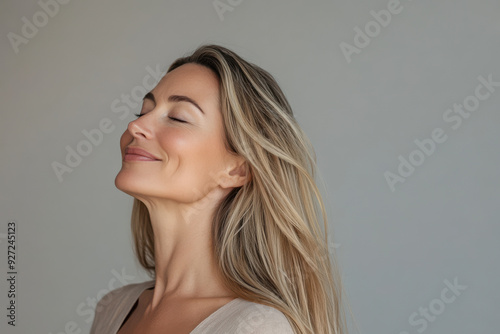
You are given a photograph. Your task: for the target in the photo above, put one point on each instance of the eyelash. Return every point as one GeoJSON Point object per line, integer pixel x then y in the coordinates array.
{"type": "Point", "coordinates": [172, 118]}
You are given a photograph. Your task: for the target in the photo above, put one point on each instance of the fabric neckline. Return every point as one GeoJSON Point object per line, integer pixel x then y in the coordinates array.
{"type": "Point", "coordinates": [151, 284]}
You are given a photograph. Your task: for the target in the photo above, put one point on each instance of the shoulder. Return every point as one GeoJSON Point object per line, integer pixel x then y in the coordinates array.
{"type": "Point", "coordinates": [114, 304]}
{"type": "Point", "coordinates": [242, 316]}
{"type": "Point", "coordinates": [261, 319]}
{"type": "Point", "coordinates": [121, 295]}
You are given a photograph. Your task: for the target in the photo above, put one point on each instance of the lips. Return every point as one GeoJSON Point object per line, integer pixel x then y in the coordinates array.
{"type": "Point", "coordinates": [135, 153]}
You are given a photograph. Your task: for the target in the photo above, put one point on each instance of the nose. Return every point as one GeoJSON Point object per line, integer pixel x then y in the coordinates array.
{"type": "Point", "coordinates": [139, 128]}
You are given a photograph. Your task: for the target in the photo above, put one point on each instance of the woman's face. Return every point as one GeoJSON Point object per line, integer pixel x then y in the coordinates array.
{"type": "Point", "coordinates": [187, 142]}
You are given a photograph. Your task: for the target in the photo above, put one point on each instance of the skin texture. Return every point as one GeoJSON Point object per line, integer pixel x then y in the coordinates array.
{"type": "Point", "coordinates": [181, 192]}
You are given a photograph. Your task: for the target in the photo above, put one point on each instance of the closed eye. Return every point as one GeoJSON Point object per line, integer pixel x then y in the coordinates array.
{"type": "Point", "coordinates": [172, 118]}
{"type": "Point", "coordinates": [177, 120]}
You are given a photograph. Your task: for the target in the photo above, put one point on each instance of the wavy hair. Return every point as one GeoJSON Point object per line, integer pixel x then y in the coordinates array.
{"type": "Point", "coordinates": [267, 238]}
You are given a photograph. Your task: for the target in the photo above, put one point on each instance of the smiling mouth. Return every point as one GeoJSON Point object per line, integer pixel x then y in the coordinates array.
{"type": "Point", "coordinates": [138, 154]}
{"type": "Point", "coordinates": [137, 157]}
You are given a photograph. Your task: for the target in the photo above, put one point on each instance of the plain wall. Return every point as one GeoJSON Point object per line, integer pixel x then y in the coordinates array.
{"type": "Point", "coordinates": [363, 108]}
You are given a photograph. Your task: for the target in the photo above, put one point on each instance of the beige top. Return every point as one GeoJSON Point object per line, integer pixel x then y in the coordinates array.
{"type": "Point", "coordinates": [239, 316]}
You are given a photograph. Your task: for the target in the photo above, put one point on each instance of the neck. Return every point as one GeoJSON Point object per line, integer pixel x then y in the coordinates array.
{"type": "Point", "coordinates": [184, 259]}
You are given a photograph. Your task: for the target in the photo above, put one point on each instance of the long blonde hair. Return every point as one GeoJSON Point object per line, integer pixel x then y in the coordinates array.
{"type": "Point", "coordinates": [267, 239]}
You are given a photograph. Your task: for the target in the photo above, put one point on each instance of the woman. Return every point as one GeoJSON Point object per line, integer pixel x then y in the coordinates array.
{"type": "Point", "coordinates": [226, 210]}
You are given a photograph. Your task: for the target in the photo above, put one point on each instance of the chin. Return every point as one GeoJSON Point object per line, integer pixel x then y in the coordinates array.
{"type": "Point", "coordinates": [127, 184]}
{"type": "Point", "coordinates": [134, 186]}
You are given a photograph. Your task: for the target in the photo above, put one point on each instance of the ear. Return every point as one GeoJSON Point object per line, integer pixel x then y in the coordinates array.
{"type": "Point", "coordinates": [236, 174]}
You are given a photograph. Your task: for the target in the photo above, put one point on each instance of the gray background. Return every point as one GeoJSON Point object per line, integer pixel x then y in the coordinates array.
{"type": "Point", "coordinates": [396, 248]}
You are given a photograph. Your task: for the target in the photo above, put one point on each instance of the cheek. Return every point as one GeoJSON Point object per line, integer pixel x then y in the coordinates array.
{"type": "Point", "coordinates": [177, 144]}
{"type": "Point", "coordinates": [197, 154]}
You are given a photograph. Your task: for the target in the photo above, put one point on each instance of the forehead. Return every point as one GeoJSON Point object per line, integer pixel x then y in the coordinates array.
{"type": "Point", "coordinates": [195, 81]}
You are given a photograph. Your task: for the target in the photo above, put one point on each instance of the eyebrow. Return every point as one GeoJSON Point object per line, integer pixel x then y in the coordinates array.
{"type": "Point", "coordinates": [174, 98]}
